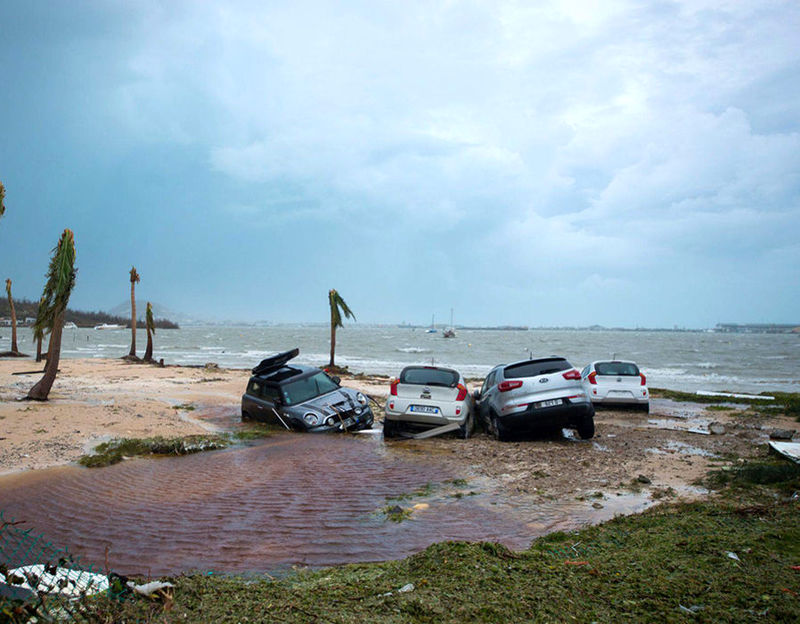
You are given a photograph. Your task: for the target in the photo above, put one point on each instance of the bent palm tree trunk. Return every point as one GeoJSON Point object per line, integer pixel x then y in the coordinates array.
{"type": "Point", "coordinates": [338, 306]}
{"type": "Point", "coordinates": [13, 318]}
{"type": "Point", "coordinates": [42, 389]}
{"type": "Point", "coordinates": [151, 329]}
{"type": "Point", "coordinates": [134, 279]}
{"type": "Point", "coordinates": [53, 306]}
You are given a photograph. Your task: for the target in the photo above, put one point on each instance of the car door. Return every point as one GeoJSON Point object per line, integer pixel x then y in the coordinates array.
{"type": "Point", "coordinates": [270, 403]}
{"type": "Point", "coordinates": [485, 396]}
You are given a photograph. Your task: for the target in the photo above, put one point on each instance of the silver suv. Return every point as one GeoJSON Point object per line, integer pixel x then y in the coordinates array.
{"type": "Point", "coordinates": [533, 396]}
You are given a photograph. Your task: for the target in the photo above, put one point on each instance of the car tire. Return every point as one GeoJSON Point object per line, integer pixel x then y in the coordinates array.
{"type": "Point", "coordinates": [645, 408]}
{"type": "Point", "coordinates": [245, 416]}
{"type": "Point", "coordinates": [496, 429]}
{"type": "Point", "coordinates": [465, 430]}
{"type": "Point", "coordinates": [389, 428]}
{"type": "Point", "coordinates": [586, 428]}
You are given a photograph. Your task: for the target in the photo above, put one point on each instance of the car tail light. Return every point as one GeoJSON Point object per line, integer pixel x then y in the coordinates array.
{"type": "Point", "coordinates": [505, 386]}
{"type": "Point", "coordinates": [592, 378]}
{"type": "Point", "coordinates": [644, 379]}
{"type": "Point", "coordinates": [571, 374]}
{"type": "Point", "coordinates": [393, 387]}
{"type": "Point", "coordinates": [462, 392]}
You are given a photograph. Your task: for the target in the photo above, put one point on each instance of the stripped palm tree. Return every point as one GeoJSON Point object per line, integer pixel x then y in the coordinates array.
{"type": "Point", "coordinates": [2, 199]}
{"type": "Point", "coordinates": [13, 318]}
{"type": "Point", "coordinates": [151, 329]}
{"type": "Point", "coordinates": [134, 281]}
{"type": "Point", "coordinates": [338, 306]}
{"type": "Point", "coordinates": [53, 305]}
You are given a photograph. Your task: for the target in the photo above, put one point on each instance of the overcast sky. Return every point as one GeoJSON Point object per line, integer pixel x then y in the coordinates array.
{"type": "Point", "coordinates": [566, 163]}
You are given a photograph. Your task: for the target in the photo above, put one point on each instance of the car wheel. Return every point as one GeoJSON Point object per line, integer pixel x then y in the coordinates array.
{"type": "Point", "coordinates": [465, 430]}
{"type": "Point", "coordinates": [245, 416]}
{"type": "Point", "coordinates": [645, 408]}
{"type": "Point", "coordinates": [389, 428]}
{"type": "Point", "coordinates": [586, 428]}
{"type": "Point", "coordinates": [496, 429]}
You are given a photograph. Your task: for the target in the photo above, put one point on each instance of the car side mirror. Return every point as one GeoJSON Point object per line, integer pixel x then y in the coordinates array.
{"type": "Point", "coordinates": [278, 401]}
{"type": "Point", "coordinates": [336, 380]}
{"type": "Point", "coordinates": [476, 395]}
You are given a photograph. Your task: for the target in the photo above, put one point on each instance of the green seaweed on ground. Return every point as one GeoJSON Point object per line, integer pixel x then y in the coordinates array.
{"type": "Point", "coordinates": [186, 407]}
{"type": "Point", "coordinates": [114, 451]}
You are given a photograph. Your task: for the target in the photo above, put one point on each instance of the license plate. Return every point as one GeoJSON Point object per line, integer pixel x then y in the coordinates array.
{"type": "Point", "coordinates": [424, 409]}
{"type": "Point", "coordinates": [549, 403]}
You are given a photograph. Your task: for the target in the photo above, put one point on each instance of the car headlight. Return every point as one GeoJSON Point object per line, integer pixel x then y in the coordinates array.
{"type": "Point", "coordinates": [361, 398]}
{"type": "Point", "coordinates": [357, 411]}
{"type": "Point", "coordinates": [312, 419]}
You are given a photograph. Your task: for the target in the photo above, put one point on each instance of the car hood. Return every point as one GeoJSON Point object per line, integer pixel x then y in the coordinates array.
{"type": "Point", "coordinates": [340, 399]}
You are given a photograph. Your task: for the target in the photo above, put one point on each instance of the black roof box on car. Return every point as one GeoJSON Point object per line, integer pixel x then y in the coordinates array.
{"type": "Point", "coordinates": [275, 362]}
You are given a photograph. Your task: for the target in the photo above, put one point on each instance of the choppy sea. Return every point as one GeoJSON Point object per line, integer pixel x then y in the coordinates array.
{"type": "Point", "coordinates": [675, 360]}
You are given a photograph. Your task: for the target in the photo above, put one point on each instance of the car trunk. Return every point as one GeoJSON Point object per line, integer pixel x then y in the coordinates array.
{"type": "Point", "coordinates": [428, 394]}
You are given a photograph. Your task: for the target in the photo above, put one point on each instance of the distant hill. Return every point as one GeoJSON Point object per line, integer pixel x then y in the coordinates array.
{"type": "Point", "coordinates": [27, 309]}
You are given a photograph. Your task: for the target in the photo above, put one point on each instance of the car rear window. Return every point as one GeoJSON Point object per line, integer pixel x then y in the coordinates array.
{"type": "Point", "coordinates": [617, 368]}
{"type": "Point", "coordinates": [533, 368]}
{"type": "Point", "coordinates": [429, 376]}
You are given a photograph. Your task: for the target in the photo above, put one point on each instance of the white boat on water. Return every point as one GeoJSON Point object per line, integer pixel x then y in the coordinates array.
{"type": "Point", "coordinates": [70, 325]}
{"type": "Point", "coordinates": [109, 326]}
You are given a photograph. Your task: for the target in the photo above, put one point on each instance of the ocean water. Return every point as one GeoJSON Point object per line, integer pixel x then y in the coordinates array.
{"type": "Point", "coordinates": [675, 360]}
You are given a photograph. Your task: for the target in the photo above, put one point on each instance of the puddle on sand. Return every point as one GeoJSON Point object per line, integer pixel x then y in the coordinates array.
{"type": "Point", "coordinates": [676, 446]}
{"type": "Point", "coordinates": [291, 499]}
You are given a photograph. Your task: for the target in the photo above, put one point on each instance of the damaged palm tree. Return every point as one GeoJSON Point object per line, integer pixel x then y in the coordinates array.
{"type": "Point", "coordinates": [53, 305]}
{"type": "Point", "coordinates": [134, 281]}
{"type": "Point", "coordinates": [151, 329]}
{"type": "Point", "coordinates": [338, 306]}
{"type": "Point", "coordinates": [38, 335]}
{"type": "Point", "coordinates": [14, 349]}
{"type": "Point", "coordinates": [2, 199]}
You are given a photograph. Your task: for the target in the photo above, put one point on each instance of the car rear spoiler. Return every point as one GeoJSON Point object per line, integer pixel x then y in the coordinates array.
{"type": "Point", "coordinates": [274, 362]}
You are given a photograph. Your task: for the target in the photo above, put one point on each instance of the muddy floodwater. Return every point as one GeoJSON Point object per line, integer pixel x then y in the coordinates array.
{"type": "Point", "coordinates": [291, 499]}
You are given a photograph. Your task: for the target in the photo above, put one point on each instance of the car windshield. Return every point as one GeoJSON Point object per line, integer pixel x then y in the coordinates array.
{"type": "Point", "coordinates": [308, 388]}
{"type": "Point", "coordinates": [617, 368]}
{"type": "Point", "coordinates": [429, 376]}
{"type": "Point", "coordinates": [536, 367]}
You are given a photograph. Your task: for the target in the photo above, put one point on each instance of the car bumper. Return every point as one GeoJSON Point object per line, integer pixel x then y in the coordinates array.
{"type": "Point", "coordinates": [620, 400]}
{"type": "Point", "coordinates": [424, 421]}
{"type": "Point", "coordinates": [532, 420]}
{"type": "Point", "coordinates": [363, 420]}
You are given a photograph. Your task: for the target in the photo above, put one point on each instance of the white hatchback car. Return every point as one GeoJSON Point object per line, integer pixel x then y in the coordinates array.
{"type": "Point", "coordinates": [424, 397]}
{"type": "Point", "coordinates": [616, 382]}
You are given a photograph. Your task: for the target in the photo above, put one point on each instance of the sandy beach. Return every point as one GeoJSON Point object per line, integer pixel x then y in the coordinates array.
{"type": "Point", "coordinates": [94, 400]}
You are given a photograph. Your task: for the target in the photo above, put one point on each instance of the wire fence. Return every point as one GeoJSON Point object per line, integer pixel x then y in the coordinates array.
{"type": "Point", "coordinates": [43, 582]}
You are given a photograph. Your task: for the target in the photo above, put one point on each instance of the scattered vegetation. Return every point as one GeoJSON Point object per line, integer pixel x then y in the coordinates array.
{"type": "Point", "coordinates": [719, 408]}
{"type": "Point", "coordinates": [779, 474]}
{"type": "Point", "coordinates": [784, 402]}
{"type": "Point", "coordinates": [395, 513]}
{"type": "Point", "coordinates": [426, 490]}
{"type": "Point", "coordinates": [186, 407]}
{"type": "Point", "coordinates": [116, 450]}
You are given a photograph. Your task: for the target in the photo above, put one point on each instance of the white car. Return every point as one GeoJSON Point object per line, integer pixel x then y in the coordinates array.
{"type": "Point", "coordinates": [425, 397]}
{"type": "Point", "coordinates": [616, 382]}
